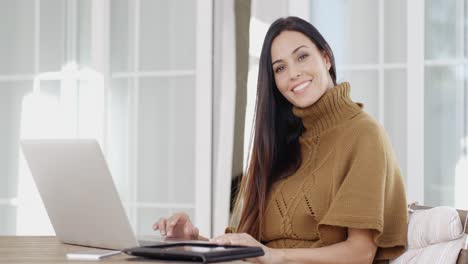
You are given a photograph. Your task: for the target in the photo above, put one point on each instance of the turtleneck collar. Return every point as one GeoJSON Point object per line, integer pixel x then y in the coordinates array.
{"type": "Point", "coordinates": [334, 107]}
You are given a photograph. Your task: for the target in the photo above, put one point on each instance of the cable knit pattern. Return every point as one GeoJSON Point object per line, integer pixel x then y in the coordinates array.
{"type": "Point", "coordinates": [349, 178]}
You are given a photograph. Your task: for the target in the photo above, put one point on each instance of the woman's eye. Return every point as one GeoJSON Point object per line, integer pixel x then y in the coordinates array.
{"type": "Point", "coordinates": [279, 69]}
{"type": "Point", "coordinates": [303, 56]}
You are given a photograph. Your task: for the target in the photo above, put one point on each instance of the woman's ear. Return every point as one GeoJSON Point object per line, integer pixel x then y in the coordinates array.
{"type": "Point", "coordinates": [326, 60]}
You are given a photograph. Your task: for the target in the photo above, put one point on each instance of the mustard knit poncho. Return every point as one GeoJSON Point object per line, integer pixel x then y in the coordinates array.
{"type": "Point", "coordinates": [349, 178]}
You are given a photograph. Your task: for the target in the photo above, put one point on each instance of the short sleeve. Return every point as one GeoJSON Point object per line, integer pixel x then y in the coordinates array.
{"type": "Point", "coordinates": [370, 194]}
{"type": "Point", "coordinates": [230, 230]}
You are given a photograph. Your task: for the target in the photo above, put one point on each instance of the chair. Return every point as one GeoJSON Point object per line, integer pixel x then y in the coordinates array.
{"type": "Point", "coordinates": [463, 214]}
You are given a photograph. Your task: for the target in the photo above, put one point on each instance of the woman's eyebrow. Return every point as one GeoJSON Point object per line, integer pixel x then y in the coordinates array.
{"type": "Point", "coordinates": [294, 51]}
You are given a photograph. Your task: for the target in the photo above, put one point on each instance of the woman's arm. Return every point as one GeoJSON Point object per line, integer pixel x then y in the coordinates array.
{"type": "Point", "coordinates": [358, 248]}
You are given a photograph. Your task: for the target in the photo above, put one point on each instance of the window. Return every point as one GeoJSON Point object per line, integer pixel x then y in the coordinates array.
{"type": "Point", "coordinates": [136, 75]}
{"type": "Point", "coordinates": [445, 102]}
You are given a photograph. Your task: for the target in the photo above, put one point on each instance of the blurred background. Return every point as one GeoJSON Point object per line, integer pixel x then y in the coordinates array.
{"type": "Point", "coordinates": [168, 89]}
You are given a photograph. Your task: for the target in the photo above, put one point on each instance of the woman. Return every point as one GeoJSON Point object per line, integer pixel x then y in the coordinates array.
{"type": "Point", "coordinates": [323, 185]}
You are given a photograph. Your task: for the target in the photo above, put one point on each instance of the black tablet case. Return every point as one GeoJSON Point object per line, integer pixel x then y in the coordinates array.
{"type": "Point", "coordinates": [164, 252]}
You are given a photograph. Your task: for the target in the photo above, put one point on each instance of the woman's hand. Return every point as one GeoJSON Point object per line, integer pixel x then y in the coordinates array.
{"type": "Point", "coordinates": [243, 239]}
{"type": "Point", "coordinates": [177, 226]}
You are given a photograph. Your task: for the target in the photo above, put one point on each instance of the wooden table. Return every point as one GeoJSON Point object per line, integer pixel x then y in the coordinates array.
{"type": "Point", "coordinates": [37, 249]}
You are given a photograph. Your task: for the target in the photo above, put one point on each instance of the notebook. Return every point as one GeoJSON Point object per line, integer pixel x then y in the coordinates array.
{"type": "Point", "coordinates": [205, 253]}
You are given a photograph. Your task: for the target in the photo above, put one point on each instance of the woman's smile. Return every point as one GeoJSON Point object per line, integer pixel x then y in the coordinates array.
{"type": "Point", "coordinates": [300, 87]}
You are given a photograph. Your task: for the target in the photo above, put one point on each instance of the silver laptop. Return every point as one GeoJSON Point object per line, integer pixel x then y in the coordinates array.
{"type": "Point", "coordinates": [78, 192]}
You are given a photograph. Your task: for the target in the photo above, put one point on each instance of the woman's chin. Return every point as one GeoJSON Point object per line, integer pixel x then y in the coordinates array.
{"type": "Point", "coordinates": [304, 103]}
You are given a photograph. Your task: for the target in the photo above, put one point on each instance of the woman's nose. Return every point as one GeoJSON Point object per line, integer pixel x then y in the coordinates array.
{"type": "Point", "coordinates": [295, 75]}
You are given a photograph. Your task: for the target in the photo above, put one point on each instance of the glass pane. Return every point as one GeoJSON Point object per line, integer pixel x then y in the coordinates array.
{"type": "Point", "coordinates": [331, 27]}
{"type": "Point", "coordinates": [461, 171]}
{"type": "Point", "coordinates": [7, 220]}
{"type": "Point", "coordinates": [395, 31]}
{"type": "Point", "coordinates": [269, 10]}
{"type": "Point", "coordinates": [120, 35]}
{"type": "Point", "coordinates": [466, 29]}
{"type": "Point", "coordinates": [148, 216]}
{"type": "Point", "coordinates": [166, 140]}
{"type": "Point", "coordinates": [442, 134]}
{"type": "Point", "coordinates": [167, 35]}
{"type": "Point", "coordinates": [440, 29]}
{"type": "Point", "coordinates": [11, 99]}
{"type": "Point", "coordinates": [51, 88]}
{"type": "Point", "coordinates": [52, 35]}
{"type": "Point", "coordinates": [364, 89]}
{"type": "Point", "coordinates": [395, 113]}
{"type": "Point", "coordinates": [352, 27]}
{"type": "Point", "coordinates": [84, 32]}
{"type": "Point", "coordinates": [118, 136]}
{"type": "Point", "coordinates": [90, 107]}
{"type": "Point", "coordinates": [17, 31]}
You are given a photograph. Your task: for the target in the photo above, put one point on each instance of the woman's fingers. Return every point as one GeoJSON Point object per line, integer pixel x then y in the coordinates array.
{"type": "Point", "coordinates": [172, 223]}
{"type": "Point", "coordinates": [190, 231]}
{"type": "Point", "coordinates": [195, 232]}
{"type": "Point", "coordinates": [177, 225]}
{"type": "Point", "coordinates": [235, 239]}
{"type": "Point", "coordinates": [156, 224]}
{"type": "Point", "coordinates": [221, 240]}
{"type": "Point", "coordinates": [161, 226]}
{"type": "Point", "coordinates": [232, 240]}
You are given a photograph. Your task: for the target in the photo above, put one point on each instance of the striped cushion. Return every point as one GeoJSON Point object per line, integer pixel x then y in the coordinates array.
{"type": "Point", "coordinates": [441, 253]}
{"type": "Point", "coordinates": [435, 225]}
{"type": "Point", "coordinates": [435, 236]}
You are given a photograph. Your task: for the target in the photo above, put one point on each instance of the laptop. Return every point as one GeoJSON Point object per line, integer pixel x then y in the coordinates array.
{"type": "Point", "coordinates": [79, 195]}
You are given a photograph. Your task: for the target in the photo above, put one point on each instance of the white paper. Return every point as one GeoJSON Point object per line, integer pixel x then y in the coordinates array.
{"type": "Point", "coordinates": [94, 254]}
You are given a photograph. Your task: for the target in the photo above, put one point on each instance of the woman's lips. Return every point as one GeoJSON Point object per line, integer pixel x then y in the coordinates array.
{"type": "Point", "coordinates": [301, 87]}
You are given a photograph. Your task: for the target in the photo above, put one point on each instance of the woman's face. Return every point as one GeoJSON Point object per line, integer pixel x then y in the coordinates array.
{"type": "Point", "coordinates": [300, 69]}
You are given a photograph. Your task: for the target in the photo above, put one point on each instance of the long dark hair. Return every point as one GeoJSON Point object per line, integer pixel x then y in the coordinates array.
{"type": "Point", "coordinates": [275, 152]}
